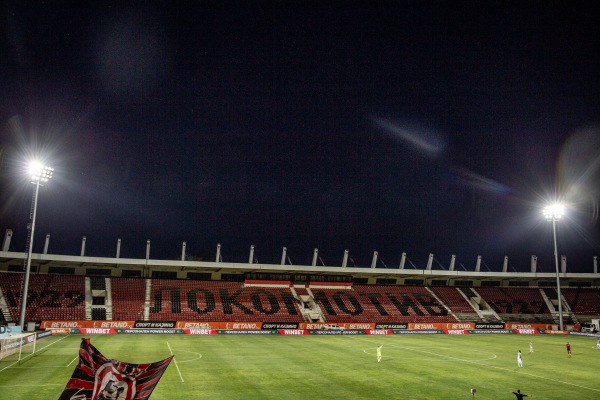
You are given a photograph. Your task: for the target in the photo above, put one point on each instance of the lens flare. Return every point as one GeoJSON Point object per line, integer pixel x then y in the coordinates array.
{"type": "Point", "coordinates": [417, 137]}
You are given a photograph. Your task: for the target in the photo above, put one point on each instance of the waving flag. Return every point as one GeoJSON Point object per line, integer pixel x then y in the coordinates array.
{"type": "Point", "coordinates": [100, 378]}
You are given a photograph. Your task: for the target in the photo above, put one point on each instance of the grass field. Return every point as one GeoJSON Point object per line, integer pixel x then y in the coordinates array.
{"type": "Point", "coordinates": [327, 367]}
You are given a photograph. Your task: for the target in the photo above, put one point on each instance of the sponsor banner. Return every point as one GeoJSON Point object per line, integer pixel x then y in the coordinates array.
{"type": "Point", "coordinates": [546, 327]}
{"type": "Point", "coordinates": [59, 331]}
{"type": "Point", "coordinates": [319, 332]}
{"type": "Point", "coordinates": [246, 332]}
{"type": "Point", "coordinates": [527, 331]}
{"type": "Point", "coordinates": [197, 325]}
{"type": "Point", "coordinates": [417, 332]}
{"type": "Point", "coordinates": [60, 324]}
{"type": "Point", "coordinates": [316, 325]}
{"type": "Point", "coordinates": [154, 324]}
{"type": "Point", "coordinates": [228, 326]}
{"type": "Point", "coordinates": [425, 326]}
{"type": "Point", "coordinates": [232, 326]}
{"type": "Point", "coordinates": [326, 325]}
{"type": "Point", "coordinates": [459, 325]}
{"type": "Point", "coordinates": [13, 344]}
{"type": "Point", "coordinates": [378, 332]}
{"type": "Point", "coordinates": [194, 331]}
{"type": "Point", "coordinates": [110, 331]}
{"type": "Point", "coordinates": [551, 332]}
{"type": "Point", "coordinates": [40, 335]}
{"type": "Point", "coordinates": [356, 325]}
{"type": "Point", "coordinates": [516, 325]}
{"type": "Point", "coordinates": [489, 326]}
{"type": "Point", "coordinates": [112, 324]}
{"type": "Point", "coordinates": [63, 324]}
{"type": "Point", "coordinates": [337, 332]}
{"type": "Point", "coordinates": [597, 335]}
{"type": "Point", "coordinates": [441, 325]}
{"type": "Point", "coordinates": [9, 330]}
{"type": "Point", "coordinates": [491, 331]}
{"type": "Point", "coordinates": [391, 326]}
{"type": "Point", "coordinates": [293, 332]}
{"type": "Point", "coordinates": [97, 331]}
{"type": "Point", "coordinates": [456, 331]}
{"type": "Point", "coordinates": [280, 325]}
{"type": "Point", "coordinates": [149, 331]}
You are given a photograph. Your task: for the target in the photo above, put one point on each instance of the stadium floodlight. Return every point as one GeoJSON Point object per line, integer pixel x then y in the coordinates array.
{"type": "Point", "coordinates": [40, 175]}
{"type": "Point", "coordinates": [554, 213]}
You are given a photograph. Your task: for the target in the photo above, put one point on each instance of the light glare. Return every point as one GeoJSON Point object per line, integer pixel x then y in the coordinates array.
{"type": "Point", "coordinates": [40, 173]}
{"type": "Point", "coordinates": [554, 212]}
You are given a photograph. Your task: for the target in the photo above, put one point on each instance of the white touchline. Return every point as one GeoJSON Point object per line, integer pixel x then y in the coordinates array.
{"type": "Point", "coordinates": [175, 361]}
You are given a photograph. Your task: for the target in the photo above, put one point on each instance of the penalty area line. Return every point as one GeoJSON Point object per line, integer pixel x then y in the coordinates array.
{"type": "Point", "coordinates": [175, 361]}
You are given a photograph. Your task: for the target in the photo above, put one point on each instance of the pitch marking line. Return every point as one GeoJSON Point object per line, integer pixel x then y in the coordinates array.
{"type": "Point", "coordinates": [496, 367]}
{"type": "Point", "coordinates": [191, 359]}
{"type": "Point", "coordinates": [72, 361]}
{"type": "Point", "coordinates": [29, 355]}
{"type": "Point", "coordinates": [175, 361]}
{"type": "Point", "coordinates": [368, 351]}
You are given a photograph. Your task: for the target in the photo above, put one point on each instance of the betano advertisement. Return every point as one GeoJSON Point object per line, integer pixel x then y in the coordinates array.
{"type": "Point", "coordinates": [294, 328]}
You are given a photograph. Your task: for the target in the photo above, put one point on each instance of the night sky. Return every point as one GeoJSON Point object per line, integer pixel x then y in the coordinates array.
{"type": "Point", "coordinates": [418, 127]}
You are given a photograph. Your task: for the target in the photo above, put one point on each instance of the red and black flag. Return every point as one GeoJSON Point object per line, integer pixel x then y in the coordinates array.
{"type": "Point", "coordinates": [100, 378]}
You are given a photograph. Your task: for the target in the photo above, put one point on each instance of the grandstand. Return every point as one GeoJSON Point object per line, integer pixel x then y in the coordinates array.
{"type": "Point", "coordinates": [83, 288]}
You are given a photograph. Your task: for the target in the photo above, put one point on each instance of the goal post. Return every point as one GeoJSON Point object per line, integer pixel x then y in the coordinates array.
{"type": "Point", "coordinates": [18, 347]}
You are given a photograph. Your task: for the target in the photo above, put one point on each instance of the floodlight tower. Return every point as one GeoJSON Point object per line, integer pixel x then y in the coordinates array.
{"type": "Point", "coordinates": [553, 213]}
{"type": "Point", "coordinates": [40, 175]}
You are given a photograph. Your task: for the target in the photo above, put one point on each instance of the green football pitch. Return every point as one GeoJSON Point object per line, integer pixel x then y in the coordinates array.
{"type": "Point", "coordinates": [327, 367]}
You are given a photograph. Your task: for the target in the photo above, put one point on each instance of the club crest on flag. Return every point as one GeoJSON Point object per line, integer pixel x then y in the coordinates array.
{"type": "Point", "coordinates": [97, 377]}
{"type": "Point", "coordinates": [111, 384]}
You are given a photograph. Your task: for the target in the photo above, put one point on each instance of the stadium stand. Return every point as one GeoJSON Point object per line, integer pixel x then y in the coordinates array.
{"type": "Point", "coordinates": [128, 297]}
{"type": "Point", "coordinates": [64, 297]}
{"type": "Point", "coordinates": [221, 301]}
{"type": "Point", "coordinates": [381, 304]}
{"type": "Point", "coordinates": [453, 298]}
{"type": "Point", "coordinates": [583, 301]}
{"type": "Point", "coordinates": [515, 300]}
{"type": "Point", "coordinates": [49, 297]}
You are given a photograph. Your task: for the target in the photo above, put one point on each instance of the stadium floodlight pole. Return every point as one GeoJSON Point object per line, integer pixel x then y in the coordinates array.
{"type": "Point", "coordinates": [40, 174]}
{"type": "Point", "coordinates": [553, 213]}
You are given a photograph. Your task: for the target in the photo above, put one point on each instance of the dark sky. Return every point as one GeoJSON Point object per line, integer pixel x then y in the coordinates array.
{"type": "Point", "coordinates": [418, 127]}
